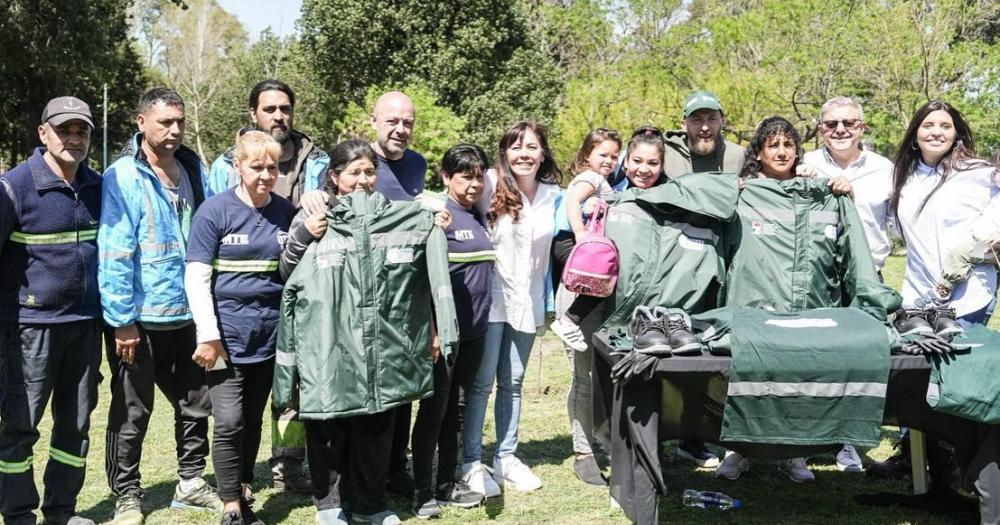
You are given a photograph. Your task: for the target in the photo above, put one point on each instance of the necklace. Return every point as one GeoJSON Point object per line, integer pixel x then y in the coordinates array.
{"type": "Point", "coordinates": [259, 212]}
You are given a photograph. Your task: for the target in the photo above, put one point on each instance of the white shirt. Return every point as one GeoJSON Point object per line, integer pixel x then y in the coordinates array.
{"type": "Point", "coordinates": [871, 178]}
{"type": "Point", "coordinates": [522, 258]}
{"type": "Point", "coordinates": [945, 222]}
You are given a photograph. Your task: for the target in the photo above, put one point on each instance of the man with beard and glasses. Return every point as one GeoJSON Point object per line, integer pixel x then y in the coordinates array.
{"type": "Point", "coordinates": [699, 147]}
{"type": "Point", "coordinates": [301, 169]}
{"type": "Point", "coordinates": [302, 165]}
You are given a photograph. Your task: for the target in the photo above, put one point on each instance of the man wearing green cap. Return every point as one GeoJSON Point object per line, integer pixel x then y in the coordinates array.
{"type": "Point", "coordinates": [699, 146]}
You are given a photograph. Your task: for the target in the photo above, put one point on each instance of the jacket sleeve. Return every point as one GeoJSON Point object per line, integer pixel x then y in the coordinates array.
{"type": "Point", "coordinates": [861, 287]}
{"type": "Point", "coordinates": [315, 171]}
{"type": "Point", "coordinates": [712, 195]}
{"type": "Point", "coordinates": [444, 301]}
{"type": "Point", "coordinates": [977, 247]}
{"type": "Point", "coordinates": [299, 239]}
{"type": "Point", "coordinates": [284, 391]}
{"type": "Point", "coordinates": [218, 176]}
{"type": "Point", "coordinates": [117, 241]}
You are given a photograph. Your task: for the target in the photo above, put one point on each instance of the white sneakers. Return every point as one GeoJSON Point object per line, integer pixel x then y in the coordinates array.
{"type": "Point", "coordinates": [511, 473]}
{"type": "Point", "coordinates": [732, 466]}
{"type": "Point", "coordinates": [796, 470]}
{"type": "Point", "coordinates": [569, 333]}
{"type": "Point", "coordinates": [735, 464]}
{"type": "Point", "coordinates": [848, 460]}
{"type": "Point", "coordinates": [479, 480]}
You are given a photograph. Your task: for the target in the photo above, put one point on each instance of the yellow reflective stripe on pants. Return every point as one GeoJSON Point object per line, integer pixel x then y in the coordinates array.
{"type": "Point", "coordinates": [16, 468]}
{"type": "Point", "coordinates": [66, 458]}
{"type": "Point", "coordinates": [224, 265]}
{"type": "Point", "coordinates": [53, 238]}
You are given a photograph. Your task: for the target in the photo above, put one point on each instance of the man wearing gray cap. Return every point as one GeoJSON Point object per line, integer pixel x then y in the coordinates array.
{"type": "Point", "coordinates": [699, 147]}
{"type": "Point", "coordinates": [50, 327]}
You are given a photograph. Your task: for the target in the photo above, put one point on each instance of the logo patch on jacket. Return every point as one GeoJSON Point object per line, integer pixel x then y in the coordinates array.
{"type": "Point", "coordinates": [334, 259]}
{"type": "Point", "coordinates": [399, 255]}
{"type": "Point", "coordinates": [763, 228]}
{"type": "Point", "coordinates": [464, 235]}
{"type": "Point", "coordinates": [830, 231]}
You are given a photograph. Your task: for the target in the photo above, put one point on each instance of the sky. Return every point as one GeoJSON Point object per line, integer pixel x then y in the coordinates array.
{"type": "Point", "coordinates": [257, 15]}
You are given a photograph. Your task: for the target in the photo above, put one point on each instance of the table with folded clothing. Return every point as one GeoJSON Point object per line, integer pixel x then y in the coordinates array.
{"type": "Point", "coordinates": [683, 397]}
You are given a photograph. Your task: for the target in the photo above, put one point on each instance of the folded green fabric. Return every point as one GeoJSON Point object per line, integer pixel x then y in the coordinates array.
{"type": "Point", "coordinates": [967, 383]}
{"type": "Point", "coordinates": [810, 378]}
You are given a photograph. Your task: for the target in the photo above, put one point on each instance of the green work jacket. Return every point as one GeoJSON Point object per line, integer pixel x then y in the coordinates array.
{"type": "Point", "coordinates": [796, 246]}
{"type": "Point", "coordinates": [354, 334]}
{"type": "Point", "coordinates": [668, 240]}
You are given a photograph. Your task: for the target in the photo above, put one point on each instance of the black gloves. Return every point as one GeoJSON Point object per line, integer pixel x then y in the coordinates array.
{"type": "Point", "coordinates": [634, 365]}
{"type": "Point", "coordinates": [927, 344]}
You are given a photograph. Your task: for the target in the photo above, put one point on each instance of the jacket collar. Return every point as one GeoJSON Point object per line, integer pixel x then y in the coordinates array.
{"type": "Point", "coordinates": [185, 155]}
{"type": "Point", "coordinates": [45, 179]}
{"type": "Point", "coordinates": [358, 204]}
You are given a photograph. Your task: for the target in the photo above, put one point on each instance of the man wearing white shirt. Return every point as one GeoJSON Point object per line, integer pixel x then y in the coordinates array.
{"type": "Point", "coordinates": [842, 126]}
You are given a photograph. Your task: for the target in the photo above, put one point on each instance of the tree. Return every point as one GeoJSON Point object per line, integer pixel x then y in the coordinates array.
{"type": "Point", "coordinates": [199, 46]}
{"type": "Point", "coordinates": [461, 51]}
{"type": "Point", "coordinates": [68, 47]}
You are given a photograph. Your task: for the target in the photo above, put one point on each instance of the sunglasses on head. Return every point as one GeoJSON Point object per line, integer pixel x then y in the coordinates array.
{"type": "Point", "coordinates": [849, 123]}
{"type": "Point", "coordinates": [647, 130]}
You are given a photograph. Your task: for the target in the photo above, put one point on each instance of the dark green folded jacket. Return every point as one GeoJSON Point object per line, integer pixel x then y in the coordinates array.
{"type": "Point", "coordinates": [967, 383]}
{"type": "Point", "coordinates": [814, 377]}
{"type": "Point", "coordinates": [668, 239]}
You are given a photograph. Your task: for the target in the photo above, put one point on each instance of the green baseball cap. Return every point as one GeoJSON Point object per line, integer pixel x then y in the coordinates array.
{"type": "Point", "coordinates": [700, 100]}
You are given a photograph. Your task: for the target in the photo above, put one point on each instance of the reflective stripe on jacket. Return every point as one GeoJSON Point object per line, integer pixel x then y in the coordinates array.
{"type": "Point", "coordinates": [142, 247]}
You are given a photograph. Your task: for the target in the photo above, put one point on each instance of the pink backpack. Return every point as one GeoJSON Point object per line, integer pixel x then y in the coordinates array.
{"type": "Point", "coordinates": [592, 267]}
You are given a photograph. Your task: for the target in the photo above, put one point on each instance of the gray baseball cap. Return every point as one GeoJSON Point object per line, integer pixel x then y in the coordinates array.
{"type": "Point", "coordinates": [64, 109]}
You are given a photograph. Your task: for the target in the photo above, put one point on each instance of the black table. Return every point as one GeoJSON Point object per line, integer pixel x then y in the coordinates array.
{"type": "Point", "coordinates": [686, 398]}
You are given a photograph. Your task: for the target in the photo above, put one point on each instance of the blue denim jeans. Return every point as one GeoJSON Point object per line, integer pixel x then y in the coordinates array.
{"type": "Point", "coordinates": [505, 357]}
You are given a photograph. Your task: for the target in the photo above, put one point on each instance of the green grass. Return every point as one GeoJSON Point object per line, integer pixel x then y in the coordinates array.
{"type": "Point", "coordinates": [546, 447]}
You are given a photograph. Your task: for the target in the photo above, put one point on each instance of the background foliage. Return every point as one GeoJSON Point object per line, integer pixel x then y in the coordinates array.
{"type": "Point", "coordinates": [475, 67]}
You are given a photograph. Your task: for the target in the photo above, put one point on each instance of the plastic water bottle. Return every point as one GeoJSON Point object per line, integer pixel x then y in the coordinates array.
{"type": "Point", "coordinates": [709, 500]}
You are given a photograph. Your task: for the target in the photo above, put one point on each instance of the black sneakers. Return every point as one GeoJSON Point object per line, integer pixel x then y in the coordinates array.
{"type": "Point", "coordinates": [648, 333]}
{"type": "Point", "coordinates": [661, 332]}
{"type": "Point", "coordinates": [458, 494]}
{"type": "Point", "coordinates": [679, 335]}
{"type": "Point", "coordinates": [942, 319]}
{"type": "Point", "coordinates": [912, 322]}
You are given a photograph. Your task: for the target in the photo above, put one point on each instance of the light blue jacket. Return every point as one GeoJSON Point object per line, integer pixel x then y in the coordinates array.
{"type": "Point", "coordinates": [141, 244]}
{"type": "Point", "coordinates": [307, 173]}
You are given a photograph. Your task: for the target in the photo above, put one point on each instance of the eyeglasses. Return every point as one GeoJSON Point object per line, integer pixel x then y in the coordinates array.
{"type": "Point", "coordinates": [848, 123]}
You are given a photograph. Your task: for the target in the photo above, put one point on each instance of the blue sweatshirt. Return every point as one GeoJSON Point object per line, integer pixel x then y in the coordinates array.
{"type": "Point", "coordinates": [48, 244]}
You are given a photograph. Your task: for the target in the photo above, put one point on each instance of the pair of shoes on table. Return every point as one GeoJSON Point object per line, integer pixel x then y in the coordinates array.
{"type": "Point", "coordinates": [509, 472]}
{"type": "Point", "coordinates": [938, 320]}
{"type": "Point", "coordinates": [696, 452]}
{"type": "Point", "coordinates": [478, 479]}
{"type": "Point", "coordinates": [588, 471]}
{"type": "Point", "coordinates": [659, 332]}
{"type": "Point", "coordinates": [385, 517]}
{"type": "Point", "coordinates": [848, 460]}
{"type": "Point", "coordinates": [291, 474]}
